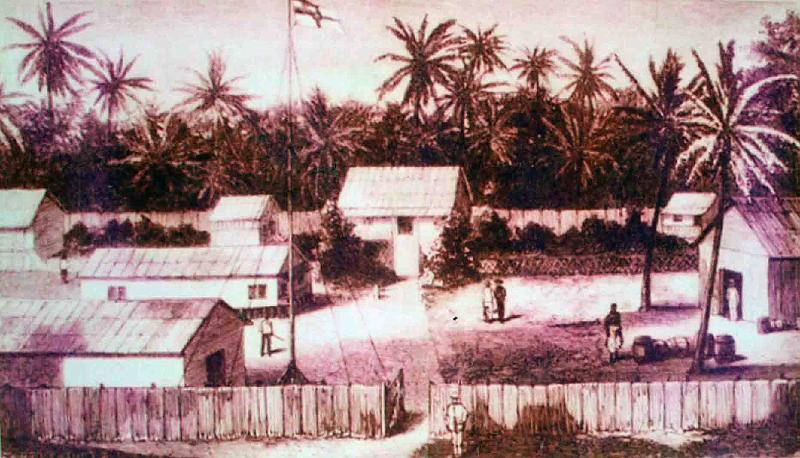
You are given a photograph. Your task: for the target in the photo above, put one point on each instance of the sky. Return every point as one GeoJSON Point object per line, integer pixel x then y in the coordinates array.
{"type": "Point", "coordinates": [173, 36]}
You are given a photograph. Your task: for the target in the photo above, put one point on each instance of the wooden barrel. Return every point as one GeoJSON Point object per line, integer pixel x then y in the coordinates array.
{"type": "Point", "coordinates": [660, 350]}
{"type": "Point", "coordinates": [642, 349]}
{"type": "Point", "coordinates": [724, 348]}
{"type": "Point", "coordinates": [763, 326]}
{"type": "Point", "coordinates": [680, 346]}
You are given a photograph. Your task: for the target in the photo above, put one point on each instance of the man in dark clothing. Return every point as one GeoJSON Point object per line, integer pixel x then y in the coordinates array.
{"type": "Point", "coordinates": [500, 299]}
{"type": "Point", "coordinates": [612, 325]}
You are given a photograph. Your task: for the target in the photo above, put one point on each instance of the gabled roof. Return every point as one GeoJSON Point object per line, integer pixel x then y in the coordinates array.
{"type": "Point", "coordinates": [690, 203]}
{"type": "Point", "coordinates": [399, 191]}
{"type": "Point", "coordinates": [99, 327]}
{"type": "Point", "coordinates": [776, 223]}
{"type": "Point", "coordinates": [182, 263]}
{"type": "Point", "coordinates": [18, 207]}
{"type": "Point", "coordinates": [240, 208]}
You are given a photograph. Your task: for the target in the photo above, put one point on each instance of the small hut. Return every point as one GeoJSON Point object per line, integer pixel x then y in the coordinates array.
{"type": "Point", "coordinates": [687, 213]}
{"type": "Point", "coordinates": [66, 343]}
{"type": "Point", "coordinates": [405, 206]}
{"type": "Point", "coordinates": [245, 221]}
{"type": "Point", "coordinates": [31, 229]}
{"type": "Point", "coordinates": [758, 274]}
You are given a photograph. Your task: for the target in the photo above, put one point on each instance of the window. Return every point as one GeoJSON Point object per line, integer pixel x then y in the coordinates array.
{"type": "Point", "coordinates": [257, 292]}
{"type": "Point", "coordinates": [405, 225]}
{"type": "Point", "coordinates": [677, 218]}
{"type": "Point", "coordinates": [117, 293]}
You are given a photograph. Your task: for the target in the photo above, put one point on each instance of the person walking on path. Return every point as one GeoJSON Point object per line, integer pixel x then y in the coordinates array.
{"type": "Point", "coordinates": [612, 324]}
{"type": "Point", "coordinates": [500, 299]}
{"type": "Point", "coordinates": [266, 337]}
{"type": "Point", "coordinates": [488, 301]}
{"type": "Point", "coordinates": [455, 421]}
{"type": "Point", "coordinates": [63, 266]}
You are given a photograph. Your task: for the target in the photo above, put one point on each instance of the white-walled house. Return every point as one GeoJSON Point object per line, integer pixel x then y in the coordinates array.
{"type": "Point", "coordinates": [687, 213]}
{"type": "Point", "coordinates": [759, 258]}
{"type": "Point", "coordinates": [69, 343]}
{"type": "Point", "coordinates": [245, 220]}
{"type": "Point", "coordinates": [405, 206]}
{"type": "Point", "coordinates": [31, 229]}
{"type": "Point", "coordinates": [250, 278]}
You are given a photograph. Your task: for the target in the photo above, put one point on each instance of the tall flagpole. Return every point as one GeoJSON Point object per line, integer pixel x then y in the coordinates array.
{"type": "Point", "coordinates": [292, 374]}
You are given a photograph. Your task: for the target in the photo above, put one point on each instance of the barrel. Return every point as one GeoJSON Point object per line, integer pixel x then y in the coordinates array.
{"type": "Point", "coordinates": [763, 326]}
{"type": "Point", "coordinates": [660, 350]}
{"type": "Point", "coordinates": [642, 349]}
{"type": "Point", "coordinates": [724, 348]}
{"type": "Point", "coordinates": [680, 346]}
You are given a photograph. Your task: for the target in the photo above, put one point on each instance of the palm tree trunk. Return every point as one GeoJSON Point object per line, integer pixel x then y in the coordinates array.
{"type": "Point", "coordinates": [108, 123]}
{"type": "Point", "coordinates": [702, 334]}
{"type": "Point", "coordinates": [650, 243]}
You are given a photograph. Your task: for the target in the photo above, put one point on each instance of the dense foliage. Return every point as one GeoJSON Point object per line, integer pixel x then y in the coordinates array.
{"type": "Point", "coordinates": [525, 147]}
{"type": "Point", "coordinates": [454, 261]}
{"type": "Point", "coordinates": [144, 233]}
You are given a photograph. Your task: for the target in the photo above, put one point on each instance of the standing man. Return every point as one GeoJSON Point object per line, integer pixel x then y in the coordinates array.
{"type": "Point", "coordinates": [266, 337]}
{"type": "Point", "coordinates": [612, 325]}
{"type": "Point", "coordinates": [63, 266]}
{"type": "Point", "coordinates": [500, 299]}
{"type": "Point", "coordinates": [456, 421]}
{"type": "Point", "coordinates": [488, 301]}
{"type": "Point", "coordinates": [732, 299]}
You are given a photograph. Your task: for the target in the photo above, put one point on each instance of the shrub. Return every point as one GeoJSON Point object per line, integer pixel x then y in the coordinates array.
{"type": "Point", "coordinates": [186, 235]}
{"type": "Point", "coordinates": [149, 233]}
{"type": "Point", "coordinates": [493, 234]}
{"type": "Point", "coordinates": [345, 258]}
{"type": "Point", "coordinates": [453, 261]}
{"type": "Point", "coordinates": [143, 233]}
{"type": "Point", "coordinates": [118, 234]}
{"type": "Point", "coordinates": [79, 236]}
{"type": "Point", "coordinates": [534, 237]}
{"type": "Point", "coordinates": [308, 244]}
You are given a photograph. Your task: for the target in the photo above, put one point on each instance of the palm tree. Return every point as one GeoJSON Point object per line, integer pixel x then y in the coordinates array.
{"type": "Point", "coordinates": [664, 121]}
{"type": "Point", "coordinates": [482, 50]}
{"type": "Point", "coordinates": [535, 67]}
{"type": "Point", "coordinates": [426, 66]}
{"type": "Point", "coordinates": [588, 76]}
{"type": "Point", "coordinates": [731, 140]}
{"type": "Point", "coordinates": [494, 130]}
{"type": "Point", "coordinates": [582, 140]}
{"type": "Point", "coordinates": [114, 87]}
{"type": "Point", "coordinates": [464, 90]}
{"type": "Point", "coordinates": [161, 155]}
{"type": "Point", "coordinates": [213, 95]}
{"type": "Point", "coordinates": [52, 59]}
{"type": "Point", "coordinates": [332, 142]}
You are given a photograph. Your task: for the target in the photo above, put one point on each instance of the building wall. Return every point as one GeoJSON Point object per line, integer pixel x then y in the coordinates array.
{"type": "Point", "coordinates": [235, 233]}
{"type": "Point", "coordinates": [234, 291]}
{"type": "Point", "coordinates": [784, 289]}
{"type": "Point", "coordinates": [48, 228]}
{"type": "Point", "coordinates": [381, 228]}
{"type": "Point", "coordinates": [31, 371]}
{"type": "Point", "coordinates": [222, 330]}
{"type": "Point", "coordinates": [120, 371]}
{"type": "Point", "coordinates": [740, 251]}
{"type": "Point", "coordinates": [16, 240]}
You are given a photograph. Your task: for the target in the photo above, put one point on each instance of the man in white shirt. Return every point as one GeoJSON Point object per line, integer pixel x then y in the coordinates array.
{"type": "Point", "coordinates": [732, 298]}
{"type": "Point", "coordinates": [266, 337]}
{"type": "Point", "coordinates": [456, 420]}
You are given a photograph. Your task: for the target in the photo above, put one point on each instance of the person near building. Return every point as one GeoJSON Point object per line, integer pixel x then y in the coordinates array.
{"type": "Point", "coordinates": [456, 421]}
{"type": "Point", "coordinates": [488, 301]}
{"type": "Point", "coordinates": [63, 266]}
{"type": "Point", "coordinates": [267, 333]}
{"type": "Point", "coordinates": [612, 325]}
{"type": "Point", "coordinates": [732, 299]}
{"type": "Point", "coordinates": [500, 299]}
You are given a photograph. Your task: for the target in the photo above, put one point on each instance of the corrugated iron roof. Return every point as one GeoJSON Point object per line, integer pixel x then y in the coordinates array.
{"type": "Point", "coordinates": [100, 327]}
{"type": "Point", "coordinates": [690, 203]}
{"type": "Point", "coordinates": [196, 262]}
{"type": "Point", "coordinates": [239, 208]}
{"type": "Point", "coordinates": [18, 207]}
{"type": "Point", "coordinates": [776, 223]}
{"type": "Point", "coordinates": [399, 191]}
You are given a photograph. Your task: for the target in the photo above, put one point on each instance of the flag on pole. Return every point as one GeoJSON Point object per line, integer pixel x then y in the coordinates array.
{"type": "Point", "coordinates": [310, 14]}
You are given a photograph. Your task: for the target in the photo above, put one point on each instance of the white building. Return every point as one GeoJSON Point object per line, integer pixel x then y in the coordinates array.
{"type": "Point", "coordinates": [759, 259]}
{"type": "Point", "coordinates": [67, 343]}
{"type": "Point", "coordinates": [245, 220]}
{"type": "Point", "coordinates": [31, 229]}
{"type": "Point", "coordinates": [687, 213]}
{"type": "Point", "coordinates": [406, 206]}
{"type": "Point", "coordinates": [245, 277]}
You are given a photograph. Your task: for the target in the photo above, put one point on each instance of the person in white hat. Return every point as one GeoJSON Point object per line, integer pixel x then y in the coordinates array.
{"type": "Point", "coordinates": [455, 421]}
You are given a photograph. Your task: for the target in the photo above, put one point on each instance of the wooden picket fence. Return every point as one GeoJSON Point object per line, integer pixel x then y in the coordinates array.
{"type": "Point", "coordinates": [185, 414]}
{"type": "Point", "coordinates": [609, 407]}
